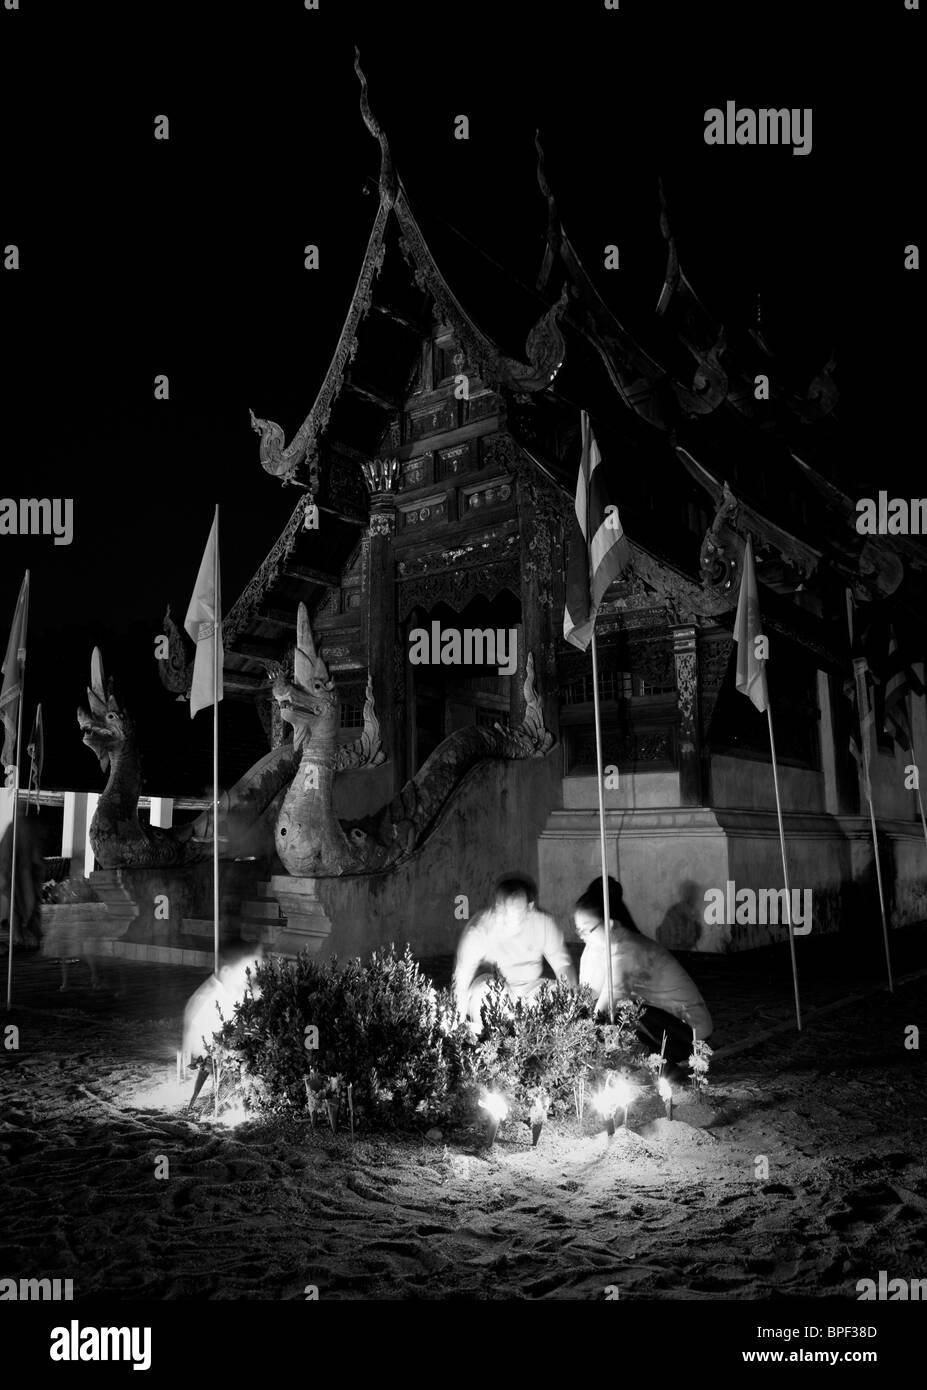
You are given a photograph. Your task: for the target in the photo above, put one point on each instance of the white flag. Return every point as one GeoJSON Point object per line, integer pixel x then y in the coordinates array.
{"type": "Point", "coordinates": [751, 669]}
{"type": "Point", "coordinates": [202, 617]}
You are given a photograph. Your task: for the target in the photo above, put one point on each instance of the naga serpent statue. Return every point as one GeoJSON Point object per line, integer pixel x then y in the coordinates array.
{"type": "Point", "coordinates": [311, 841]}
{"type": "Point", "coordinates": [117, 836]}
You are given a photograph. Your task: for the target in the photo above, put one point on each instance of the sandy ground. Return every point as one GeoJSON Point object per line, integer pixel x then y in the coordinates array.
{"type": "Point", "coordinates": [90, 1106]}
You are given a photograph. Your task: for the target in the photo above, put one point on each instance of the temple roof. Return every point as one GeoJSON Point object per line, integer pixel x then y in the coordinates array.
{"type": "Point", "coordinates": [697, 461]}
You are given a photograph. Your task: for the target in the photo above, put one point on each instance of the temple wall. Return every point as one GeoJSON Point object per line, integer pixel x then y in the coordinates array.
{"type": "Point", "coordinates": [666, 860]}
{"type": "Point", "coordinates": [748, 783]}
{"type": "Point", "coordinates": [362, 791]}
{"type": "Point", "coordinates": [490, 829]}
{"type": "Point", "coordinates": [188, 893]}
{"type": "Point", "coordinates": [890, 798]}
{"type": "Point", "coordinates": [639, 791]}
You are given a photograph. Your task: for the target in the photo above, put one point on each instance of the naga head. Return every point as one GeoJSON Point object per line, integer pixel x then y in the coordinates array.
{"type": "Point", "coordinates": [107, 727]}
{"type": "Point", "coordinates": [309, 701]}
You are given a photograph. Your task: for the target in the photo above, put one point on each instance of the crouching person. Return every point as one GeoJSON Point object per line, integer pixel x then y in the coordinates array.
{"type": "Point", "coordinates": [642, 969]}
{"type": "Point", "coordinates": [516, 938]}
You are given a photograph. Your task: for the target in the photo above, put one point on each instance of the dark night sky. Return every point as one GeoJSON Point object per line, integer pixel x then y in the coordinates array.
{"type": "Point", "coordinates": [185, 257]}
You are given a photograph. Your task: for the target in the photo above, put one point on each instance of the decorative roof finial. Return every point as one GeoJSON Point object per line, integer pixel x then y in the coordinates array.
{"type": "Point", "coordinates": [380, 474]}
{"type": "Point", "coordinates": [672, 275]}
{"type": "Point", "coordinates": [388, 181]}
{"type": "Point", "coordinates": [554, 230]}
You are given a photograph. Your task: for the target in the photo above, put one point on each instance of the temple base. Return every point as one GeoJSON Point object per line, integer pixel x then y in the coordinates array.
{"type": "Point", "coordinates": [288, 918]}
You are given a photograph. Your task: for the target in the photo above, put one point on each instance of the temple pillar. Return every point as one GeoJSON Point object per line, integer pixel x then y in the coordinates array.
{"type": "Point", "coordinates": [685, 656]}
{"type": "Point", "coordinates": [846, 776]}
{"type": "Point", "coordinates": [382, 634]}
{"type": "Point", "coordinates": [541, 561]}
{"type": "Point", "coordinates": [79, 810]}
{"type": "Point", "coordinates": [829, 760]}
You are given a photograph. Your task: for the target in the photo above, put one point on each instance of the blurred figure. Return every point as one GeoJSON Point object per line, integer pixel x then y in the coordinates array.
{"type": "Point", "coordinates": [516, 938]}
{"type": "Point", "coordinates": [641, 969]}
{"type": "Point", "coordinates": [201, 1017]}
{"type": "Point", "coordinates": [30, 875]}
{"type": "Point", "coordinates": [618, 912]}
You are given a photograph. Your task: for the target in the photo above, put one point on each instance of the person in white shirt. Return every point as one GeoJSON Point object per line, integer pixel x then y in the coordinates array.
{"type": "Point", "coordinates": [516, 938]}
{"type": "Point", "coordinates": [642, 969]}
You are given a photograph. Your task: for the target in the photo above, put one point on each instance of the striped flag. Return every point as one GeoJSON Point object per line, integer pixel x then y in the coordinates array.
{"type": "Point", "coordinates": [751, 669]}
{"type": "Point", "coordinates": [200, 622]}
{"type": "Point", "coordinates": [36, 750]}
{"type": "Point", "coordinates": [599, 549]}
{"type": "Point", "coordinates": [862, 748]}
{"type": "Point", "coordinates": [11, 690]}
{"type": "Point", "coordinates": [860, 691]}
{"type": "Point", "coordinates": [899, 681]}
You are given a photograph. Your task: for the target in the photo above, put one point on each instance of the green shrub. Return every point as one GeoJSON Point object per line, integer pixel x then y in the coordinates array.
{"type": "Point", "coordinates": [382, 1027]}
{"type": "Point", "coordinates": [387, 1031]}
{"type": "Point", "coordinates": [547, 1043]}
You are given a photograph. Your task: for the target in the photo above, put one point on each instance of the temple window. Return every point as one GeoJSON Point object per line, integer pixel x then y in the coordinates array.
{"type": "Point", "coordinates": [351, 716]}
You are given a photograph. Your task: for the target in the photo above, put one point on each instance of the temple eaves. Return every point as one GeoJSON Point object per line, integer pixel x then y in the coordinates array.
{"type": "Point", "coordinates": [297, 462]}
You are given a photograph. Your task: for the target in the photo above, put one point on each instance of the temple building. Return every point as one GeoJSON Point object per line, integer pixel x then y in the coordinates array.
{"type": "Point", "coordinates": [434, 479]}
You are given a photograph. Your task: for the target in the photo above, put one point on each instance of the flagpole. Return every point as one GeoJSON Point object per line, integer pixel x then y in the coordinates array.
{"type": "Point", "coordinates": [859, 668]}
{"type": "Point", "coordinates": [785, 866]}
{"type": "Point", "coordinates": [601, 784]}
{"type": "Point", "coordinates": [751, 681]}
{"type": "Point", "coordinates": [920, 801]}
{"type": "Point", "coordinates": [215, 753]}
{"type": "Point", "coordinates": [875, 851]}
{"type": "Point", "coordinates": [19, 738]}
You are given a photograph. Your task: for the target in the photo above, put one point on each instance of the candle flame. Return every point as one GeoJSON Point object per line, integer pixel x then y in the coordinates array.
{"type": "Point", "coordinates": [233, 1115]}
{"type": "Point", "coordinates": [494, 1105]}
{"type": "Point", "coordinates": [616, 1092]}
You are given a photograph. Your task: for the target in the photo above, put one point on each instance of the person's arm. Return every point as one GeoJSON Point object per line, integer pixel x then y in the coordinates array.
{"type": "Point", "coordinates": [620, 991]}
{"type": "Point", "coordinates": [557, 955]}
{"type": "Point", "coordinates": [469, 954]}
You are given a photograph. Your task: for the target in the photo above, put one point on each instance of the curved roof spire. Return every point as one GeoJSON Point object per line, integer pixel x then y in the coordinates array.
{"type": "Point", "coordinates": [388, 180]}
{"type": "Point", "coordinates": [554, 233]}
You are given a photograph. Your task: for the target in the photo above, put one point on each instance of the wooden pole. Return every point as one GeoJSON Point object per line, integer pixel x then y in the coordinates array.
{"type": "Point", "coordinates": [601, 785]}
{"type": "Point", "coordinates": [19, 740]}
{"type": "Point", "coordinates": [920, 801]}
{"type": "Point", "coordinates": [862, 702]}
{"type": "Point", "coordinates": [875, 850]}
{"type": "Point", "coordinates": [217, 628]}
{"type": "Point", "coordinates": [785, 866]}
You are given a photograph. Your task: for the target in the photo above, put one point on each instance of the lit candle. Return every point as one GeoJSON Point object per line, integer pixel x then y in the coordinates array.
{"type": "Point", "coordinates": [496, 1108]}
{"type": "Point", "coordinates": [666, 1095]}
{"type": "Point", "coordinates": [616, 1091]}
{"type": "Point", "coordinates": [624, 1093]}
{"type": "Point", "coordinates": [538, 1116]}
